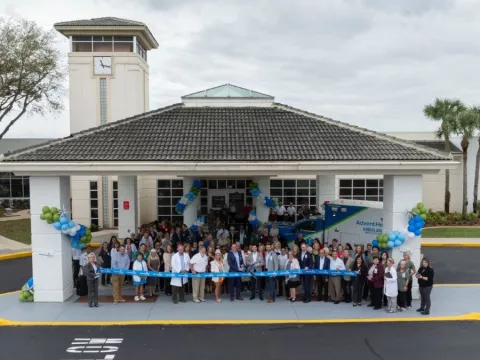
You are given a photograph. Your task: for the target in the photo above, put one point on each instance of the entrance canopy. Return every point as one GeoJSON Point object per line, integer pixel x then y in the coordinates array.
{"type": "Point", "coordinates": [221, 137]}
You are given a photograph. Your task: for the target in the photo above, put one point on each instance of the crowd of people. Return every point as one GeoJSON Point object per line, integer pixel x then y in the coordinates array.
{"type": "Point", "coordinates": [380, 283]}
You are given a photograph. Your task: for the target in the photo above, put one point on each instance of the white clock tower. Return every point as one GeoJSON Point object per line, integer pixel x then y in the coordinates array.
{"type": "Point", "coordinates": [108, 81]}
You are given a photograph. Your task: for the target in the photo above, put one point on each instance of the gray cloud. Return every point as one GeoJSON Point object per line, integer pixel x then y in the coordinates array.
{"type": "Point", "coordinates": [373, 63]}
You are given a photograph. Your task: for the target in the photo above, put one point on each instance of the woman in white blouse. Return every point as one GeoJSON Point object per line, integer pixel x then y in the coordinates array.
{"type": "Point", "coordinates": [274, 230]}
{"type": "Point", "coordinates": [292, 280]}
{"type": "Point", "coordinates": [391, 286]}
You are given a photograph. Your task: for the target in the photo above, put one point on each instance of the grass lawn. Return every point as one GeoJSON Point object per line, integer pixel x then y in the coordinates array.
{"type": "Point", "coordinates": [453, 232]}
{"type": "Point", "coordinates": [18, 230]}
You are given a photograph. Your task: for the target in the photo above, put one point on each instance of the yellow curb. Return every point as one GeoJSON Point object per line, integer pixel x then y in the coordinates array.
{"type": "Point", "coordinates": [450, 244]}
{"type": "Point", "coordinates": [465, 317]}
{"type": "Point", "coordinates": [17, 255]}
{"type": "Point", "coordinates": [464, 285]}
{"type": "Point", "coordinates": [10, 293]}
{"type": "Point", "coordinates": [25, 254]}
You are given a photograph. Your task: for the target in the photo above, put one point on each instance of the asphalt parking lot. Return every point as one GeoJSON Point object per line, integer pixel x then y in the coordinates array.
{"type": "Point", "coordinates": [367, 341]}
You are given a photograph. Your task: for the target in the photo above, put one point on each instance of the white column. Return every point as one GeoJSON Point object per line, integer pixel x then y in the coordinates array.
{"type": "Point", "coordinates": [127, 218]}
{"type": "Point", "coordinates": [263, 184]}
{"type": "Point", "coordinates": [326, 189]}
{"type": "Point", "coordinates": [190, 212]}
{"type": "Point", "coordinates": [51, 250]}
{"type": "Point", "coordinates": [400, 194]}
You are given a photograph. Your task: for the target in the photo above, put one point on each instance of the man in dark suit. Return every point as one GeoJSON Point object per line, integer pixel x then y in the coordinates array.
{"type": "Point", "coordinates": [235, 263]}
{"type": "Point", "coordinates": [322, 263]}
{"type": "Point", "coordinates": [241, 237]}
{"type": "Point", "coordinates": [306, 263]}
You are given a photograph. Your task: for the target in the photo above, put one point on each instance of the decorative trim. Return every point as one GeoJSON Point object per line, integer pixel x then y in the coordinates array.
{"type": "Point", "coordinates": [188, 197]}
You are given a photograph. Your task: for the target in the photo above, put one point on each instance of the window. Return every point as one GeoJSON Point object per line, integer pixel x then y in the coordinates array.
{"type": "Point", "coordinates": [103, 101]}
{"type": "Point", "coordinates": [115, 203]}
{"type": "Point", "coordinates": [296, 192]}
{"type": "Point", "coordinates": [94, 202]}
{"type": "Point", "coordinates": [105, 44]}
{"type": "Point", "coordinates": [141, 51]}
{"type": "Point", "coordinates": [168, 193]}
{"type": "Point", "coordinates": [12, 186]}
{"type": "Point", "coordinates": [361, 189]}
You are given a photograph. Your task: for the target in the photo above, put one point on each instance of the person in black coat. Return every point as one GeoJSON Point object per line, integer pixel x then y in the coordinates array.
{"type": "Point", "coordinates": [322, 263]}
{"type": "Point", "coordinates": [306, 263]}
{"type": "Point", "coordinates": [104, 254]}
{"type": "Point", "coordinates": [359, 281]}
{"type": "Point", "coordinates": [425, 284]}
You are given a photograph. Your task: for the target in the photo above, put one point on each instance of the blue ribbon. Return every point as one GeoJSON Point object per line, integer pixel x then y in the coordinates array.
{"type": "Point", "coordinates": [226, 274]}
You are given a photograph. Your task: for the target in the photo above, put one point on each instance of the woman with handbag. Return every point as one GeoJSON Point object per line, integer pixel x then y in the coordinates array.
{"type": "Point", "coordinates": [216, 266]}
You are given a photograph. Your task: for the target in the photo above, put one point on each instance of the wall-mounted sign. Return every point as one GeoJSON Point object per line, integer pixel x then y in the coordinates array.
{"type": "Point", "coordinates": [126, 205]}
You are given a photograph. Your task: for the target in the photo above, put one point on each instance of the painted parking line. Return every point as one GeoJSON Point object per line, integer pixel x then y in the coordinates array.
{"type": "Point", "coordinates": [451, 244]}
{"type": "Point", "coordinates": [465, 317]}
{"type": "Point", "coordinates": [24, 254]}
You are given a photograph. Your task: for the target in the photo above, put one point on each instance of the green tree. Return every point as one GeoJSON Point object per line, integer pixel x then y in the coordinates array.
{"type": "Point", "coordinates": [445, 111]}
{"type": "Point", "coordinates": [465, 125]}
{"type": "Point", "coordinates": [31, 75]}
{"type": "Point", "coordinates": [477, 164]}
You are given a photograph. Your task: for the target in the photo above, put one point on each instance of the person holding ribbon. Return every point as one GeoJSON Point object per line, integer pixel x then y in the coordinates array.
{"type": "Point", "coordinates": [255, 263]}
{"type": "Point", "coordinates": [292, 280]}
{"type": "Point", "coordinates": [216, 266]}
{"type": "Point", "coordinates": [92, 274]}
{"type": "Point", "coordinates": [180, 264]}
{"type": "Point", "coordinates": [139, 281]}
{"type": "Point", "coordinates": [235, 264]}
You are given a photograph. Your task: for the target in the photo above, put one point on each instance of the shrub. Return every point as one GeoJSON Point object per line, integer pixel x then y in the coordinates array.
{"type": "Point", "coordinates": [435, 218]}
{"type": "Point", "coordinates": [93, 227]}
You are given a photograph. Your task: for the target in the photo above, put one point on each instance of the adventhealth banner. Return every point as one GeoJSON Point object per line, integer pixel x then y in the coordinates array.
{"type": "Point", "coordinates": [227, 274]}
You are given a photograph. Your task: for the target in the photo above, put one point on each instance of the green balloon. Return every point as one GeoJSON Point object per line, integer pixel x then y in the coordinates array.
{"type": "Point", "coordinates": [49, 221]}
{"type": "Point", "coordinates": [379, 237]}
{"type": "Point", "coordinates": [385, 238]}
{"type": "Point", "coordinates": [416, 211]}
{"type": "Point", "coordinates": [21, 297]}
{"type": "Point", "coordinates": [423, 211]}
{"type": "Point", "coordinates": [88, 231]}
{"type": "Point", "coordinates": [42, 216]}
{"type": "Point", "coordinates": [420, 205]}
{"type": "Point", "coordinates": [83, 239]}
{"type": "Point", "coordinates": [56, 217]}
{"type": "Point", "coordinates": [45, 209]}
{"type": "Point", "coordinates": [48, 216]}
{"type": "Point", "coordinates": [89, 238]}
{"type": "Point", "coordinates": [53, 210]}
{"type": "Point", "coordinates": [423, 216]}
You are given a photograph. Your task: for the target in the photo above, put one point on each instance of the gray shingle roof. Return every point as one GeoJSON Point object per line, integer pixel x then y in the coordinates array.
{"type": "Point", "coordinates": [251, 134]}
{"type": "Point", "coordinates": [12, 144]}
{"type": "Point", "coordinates": [438, 145]}
{"type": "Point", "coordinates": [103, 21]}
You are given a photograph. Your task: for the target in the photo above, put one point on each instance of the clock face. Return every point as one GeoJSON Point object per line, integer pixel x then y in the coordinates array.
{"type": "Point", "coordinates": [102, 65]}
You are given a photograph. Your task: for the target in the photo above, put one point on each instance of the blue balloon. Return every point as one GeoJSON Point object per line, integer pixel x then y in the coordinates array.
{"type": "Point", "coordinates": [194, 227]}
{"type": "Point", "coordinates": [64, 226]}
{"type": "Point", "coordinates": [418, 218]}
{"type": "Point", "coordinates": [390, 244]}
{"type": "Point", "coordinates": [418, 232]}
{"type": "Point", "coordinates": [71, 224]}
{"type": "Point", "coordinates": [418, 225]}
{"type": "Point", "coordinates": [401, 237]}
{"type": "Point", "coordinates": [375, 243]}
{"type": "Point", "coordinates": [411, 222]}
{"type": "Point", "coordinates": [63, 220]}
{"type": "Point", "coordinates": [57, 225]}
{"type": "Point", "coordinates": [398, 242]}
{"type": "Point", "coordinates": [190, 196]}
{"type": "Point", "coordinates": [423, 223]}
{"type": "Point", "coordinates": [197, 184]}
{"type": "Point", "coordinates": [412, 228]}
{"type": "Point", "coordinates": [391, 236]}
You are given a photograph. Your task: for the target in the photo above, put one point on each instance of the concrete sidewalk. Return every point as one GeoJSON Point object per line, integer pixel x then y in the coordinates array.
{"type": "Point", "coordinates": [8, 246]}
{"type": "Point", "coordinates": [448, 303]}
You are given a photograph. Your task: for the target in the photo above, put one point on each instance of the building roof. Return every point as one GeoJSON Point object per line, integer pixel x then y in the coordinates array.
{"type": "Point", "coordinates": [12, 144]}
{"type": "Point", "coordinates": [103, 21]}
{"type": "Point", "coordinates": [179, 133]}
{"type": "Point", "coordinates": [108, 26]}
{"type": "Point", "coordinates": [438, 145]}
{"type": "Point", "coordinates": [227, 91]}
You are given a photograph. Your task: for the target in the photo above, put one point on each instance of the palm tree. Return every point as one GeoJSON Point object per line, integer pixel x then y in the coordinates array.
{"type": "Point", "coordinates": [465, 125]}
{"type": "Point", "coordinates": [445, 110]}
{"type": "Point", "coordinates": [477, 164]}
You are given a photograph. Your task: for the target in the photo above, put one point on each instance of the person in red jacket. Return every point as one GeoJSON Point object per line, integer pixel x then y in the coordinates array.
{"type": "Point", "coordinates": [376, 278]}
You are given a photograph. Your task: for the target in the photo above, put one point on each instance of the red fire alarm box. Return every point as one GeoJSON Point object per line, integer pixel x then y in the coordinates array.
{"type": "Point", "coordinates": [126, 205]}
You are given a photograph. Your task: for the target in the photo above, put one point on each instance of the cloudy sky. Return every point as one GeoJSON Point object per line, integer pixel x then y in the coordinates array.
{"type": "Point", "coordinates": [372, 63]}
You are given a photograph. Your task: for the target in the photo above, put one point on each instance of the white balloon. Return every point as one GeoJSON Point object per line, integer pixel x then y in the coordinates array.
{"type": "Point", "coordinates": [184, 201]}
{"type": "Point", "coordinates": [78, 227]}
{"type": "Point", "coordinates": [411, 235]}
{"type": "Point", "coordinates": [67, 231]}
{"type": "Point", "coordinates": [72, 232]}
